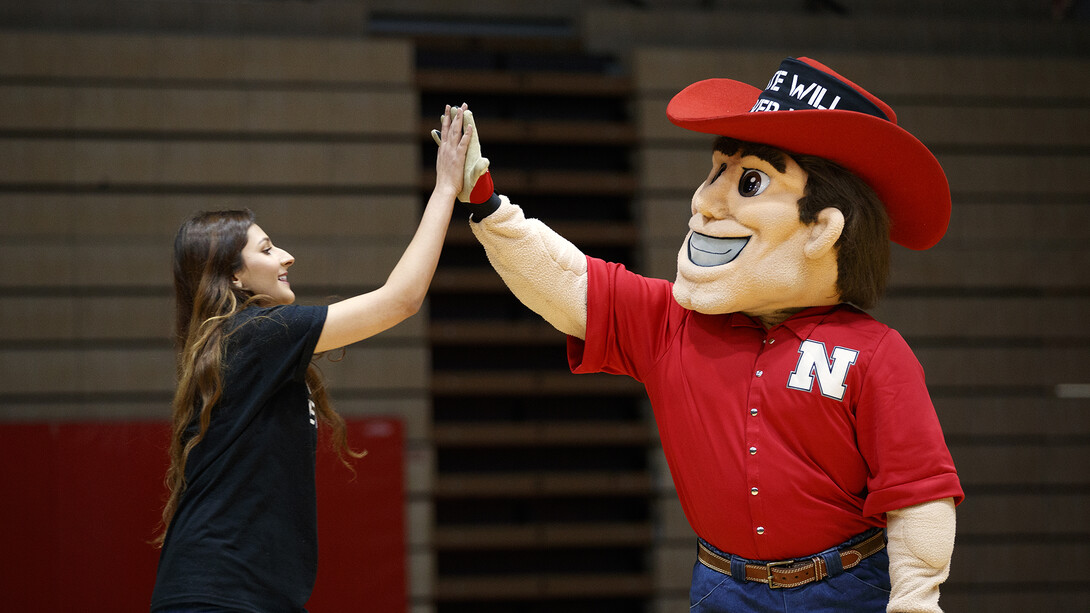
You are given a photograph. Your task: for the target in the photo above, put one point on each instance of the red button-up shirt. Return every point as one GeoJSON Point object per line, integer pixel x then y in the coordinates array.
{"type": "Point", "coordinates": [781, 442]}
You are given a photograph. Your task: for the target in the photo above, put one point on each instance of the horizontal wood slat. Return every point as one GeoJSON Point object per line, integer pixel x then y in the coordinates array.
{"type": "Point", "coordinates": [522, 83]}
{"type": "Point", "coordinates": [477, 383]}
{"type": "Point", "coordinates": [982, 516]}
{"type": "Point", "coordinates": [962, 318]}
{"type": "Point", "coordinates": [541, 434]}
{"type": "Point", "coordinates": [221, 112]}
{"type": "Point", "coordinates": [999, 367]}
{"type": "Point", "coordinates": [89, 216]}
{"type": "Point", "coordinates": [330, 18]}
{"type": "Point", "coordinates": [888, 75]}
{"type": "Point", "coordinates": [1053, 465]}
{"type": "Point", "coordinates": [76, 320]}
{"type": "Point", "coordinates": [113, 264]}
{"type": "Point", "coordinates": [998, 563]}
{"type": "Point", "coordinates": [516, 183]}
{"type": "Point", "coordinates": [412, 406]}
{"type": "Point", "coordinates": [66, 372]}
{"type": "Point", "coordinates": [530, 484]}
{"type": "Point", "coordinates": [47, 374]}
{"type": "Point", "coordinates": [535, 332]}
{"type": "Point", "coordinates": [466, 279]}
{"type": "Point", "coordinates": [537, 132]}
{"type": "Point", "coordinates": [1037, 418]}
{"type": "Point", "coordinates": [205, 58]}
{"type": "Point", "coordinates": [597, 233]}
{"type": "Point", "coordinates": [539, 536]}
{"type": "Point", "coordinates": [1059, 266]}
{"type": "Point", "coordinates": [82, 164]}
{"type": "Point", "coordinates": [69, 319]}
{"type": "Point", "coordinates": [542, 586]}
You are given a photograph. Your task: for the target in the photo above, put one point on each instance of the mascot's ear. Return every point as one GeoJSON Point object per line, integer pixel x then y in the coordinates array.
{"type": "Point", "coordinates": [824, 232]}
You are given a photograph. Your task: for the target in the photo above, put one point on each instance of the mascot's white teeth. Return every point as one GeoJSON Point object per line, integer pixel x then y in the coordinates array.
{"type": "Point", "coordinates": [707, 250]}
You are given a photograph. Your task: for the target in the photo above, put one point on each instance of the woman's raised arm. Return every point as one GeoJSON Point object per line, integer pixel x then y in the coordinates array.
{"type": "Point", "coordinates": [360, 317]}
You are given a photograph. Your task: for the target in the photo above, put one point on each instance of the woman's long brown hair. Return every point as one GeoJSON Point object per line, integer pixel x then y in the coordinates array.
{"type": "Point", "coordinates": [207, 253]}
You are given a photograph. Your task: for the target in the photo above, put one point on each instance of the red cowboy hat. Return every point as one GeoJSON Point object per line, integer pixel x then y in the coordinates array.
{"type": "Point", "coordinates": [835, 119]}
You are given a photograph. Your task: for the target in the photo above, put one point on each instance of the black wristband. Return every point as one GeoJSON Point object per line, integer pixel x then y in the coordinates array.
{"type": "Point", "coordinates": [483, 209]}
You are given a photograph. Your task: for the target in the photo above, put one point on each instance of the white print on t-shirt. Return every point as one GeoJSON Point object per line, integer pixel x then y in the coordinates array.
{"type": "Point", "coordinates": [814, 360]}
{"type": "Point", "coordinates": [310, 405]}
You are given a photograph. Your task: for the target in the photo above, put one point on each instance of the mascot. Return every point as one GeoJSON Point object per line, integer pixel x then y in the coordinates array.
{"type": "Point", "coordinates": [799, 432]}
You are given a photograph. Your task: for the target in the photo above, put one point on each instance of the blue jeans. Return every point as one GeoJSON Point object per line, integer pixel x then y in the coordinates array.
{"type": "Point", "coordinates": [862, 589]}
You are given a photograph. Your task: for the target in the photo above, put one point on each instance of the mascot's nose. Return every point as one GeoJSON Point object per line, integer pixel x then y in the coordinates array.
{"type": "Point", "coordinates": [711, 202]}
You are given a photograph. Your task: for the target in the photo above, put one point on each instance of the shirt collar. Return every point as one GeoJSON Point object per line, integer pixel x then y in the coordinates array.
{"type": "Point", "coordinates": [800, 324]}
{"type": "Point", "coordinates": [803, 322]}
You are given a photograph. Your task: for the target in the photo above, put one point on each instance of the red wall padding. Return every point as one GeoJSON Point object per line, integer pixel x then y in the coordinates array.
{"type": "Point", "coordinates": [81, 501]}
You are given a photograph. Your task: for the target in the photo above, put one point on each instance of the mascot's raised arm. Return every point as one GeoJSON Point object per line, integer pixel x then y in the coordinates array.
{"type": "Point", "coordinates": [799, 432]}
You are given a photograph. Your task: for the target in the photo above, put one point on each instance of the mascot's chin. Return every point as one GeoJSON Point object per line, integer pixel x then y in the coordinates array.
{"type": "Point", "coordinates": [692, 298]}
{"type": "Point", "coordinates": [701, 289]}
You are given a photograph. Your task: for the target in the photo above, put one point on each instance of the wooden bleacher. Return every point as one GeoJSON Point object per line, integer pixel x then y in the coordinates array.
{"type": "Point", "coordinates": [511, 532]}
{"type": "Point", "coordinates": [300, 111]}
{"type": "Point", "coordinates": [110, 140]}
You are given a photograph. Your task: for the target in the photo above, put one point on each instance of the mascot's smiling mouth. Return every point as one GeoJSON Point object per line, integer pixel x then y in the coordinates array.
{"type": "Point", "coordinates": [709, 251]}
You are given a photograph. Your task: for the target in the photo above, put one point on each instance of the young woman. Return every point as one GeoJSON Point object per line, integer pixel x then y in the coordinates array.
{"type": "Point", "coordinates": [240, 523]}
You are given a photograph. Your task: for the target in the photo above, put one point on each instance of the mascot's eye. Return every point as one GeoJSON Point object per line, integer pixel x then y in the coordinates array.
{"type": "Point", "coordinates": [753, 182]}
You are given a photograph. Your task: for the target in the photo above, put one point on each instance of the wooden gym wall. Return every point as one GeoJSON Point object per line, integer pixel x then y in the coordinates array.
{"type": "Point", "coordinates": [109, 141]}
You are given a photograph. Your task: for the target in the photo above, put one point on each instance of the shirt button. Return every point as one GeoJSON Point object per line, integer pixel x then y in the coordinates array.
{"type": "Point", "coordinates": [753, 491]}
{"type": "Point", "coordinates": [760, 372]}
{"type": "Point", "coordinates": [753, 412]}
{"type": "Point", "coordinates": [752, 451]}
{"type": "Point", "coordinates": [760, 529]}
{"type": "Point", "coordinates": [771, 340]}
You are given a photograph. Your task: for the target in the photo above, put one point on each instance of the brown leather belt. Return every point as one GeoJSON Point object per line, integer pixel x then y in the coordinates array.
{"type": "Point", "coordinates": [793, 573]}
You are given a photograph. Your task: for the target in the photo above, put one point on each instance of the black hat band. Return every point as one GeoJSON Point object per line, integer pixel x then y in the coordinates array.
{"type": "Point", "coordinates": [798, 86]}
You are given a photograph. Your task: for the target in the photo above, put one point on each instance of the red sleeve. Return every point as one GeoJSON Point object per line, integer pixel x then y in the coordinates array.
{"type": "Point", "coordinates": [899, 434]}
{"type": "Point", "coordinates": [628, 321]}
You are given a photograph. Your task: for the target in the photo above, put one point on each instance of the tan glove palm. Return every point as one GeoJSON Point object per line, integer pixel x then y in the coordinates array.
{"type": "Point", "coordinates": [476, 165]}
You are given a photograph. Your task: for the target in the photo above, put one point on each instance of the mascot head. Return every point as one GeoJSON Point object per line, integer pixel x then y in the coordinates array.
{"type": "Point", "coordinates": [810, 180]}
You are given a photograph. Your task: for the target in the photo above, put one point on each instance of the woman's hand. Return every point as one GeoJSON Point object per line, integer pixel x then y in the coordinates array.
{"type": "Point", "coordinates": [453, 144]}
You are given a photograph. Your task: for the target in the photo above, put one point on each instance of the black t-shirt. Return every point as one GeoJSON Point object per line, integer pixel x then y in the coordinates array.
{"type": "Point", "coordinates": [244, 536]}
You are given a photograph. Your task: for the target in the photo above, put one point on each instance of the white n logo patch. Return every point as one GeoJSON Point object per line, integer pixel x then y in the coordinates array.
{"type": "Point", "coordinates": [813, 360]}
